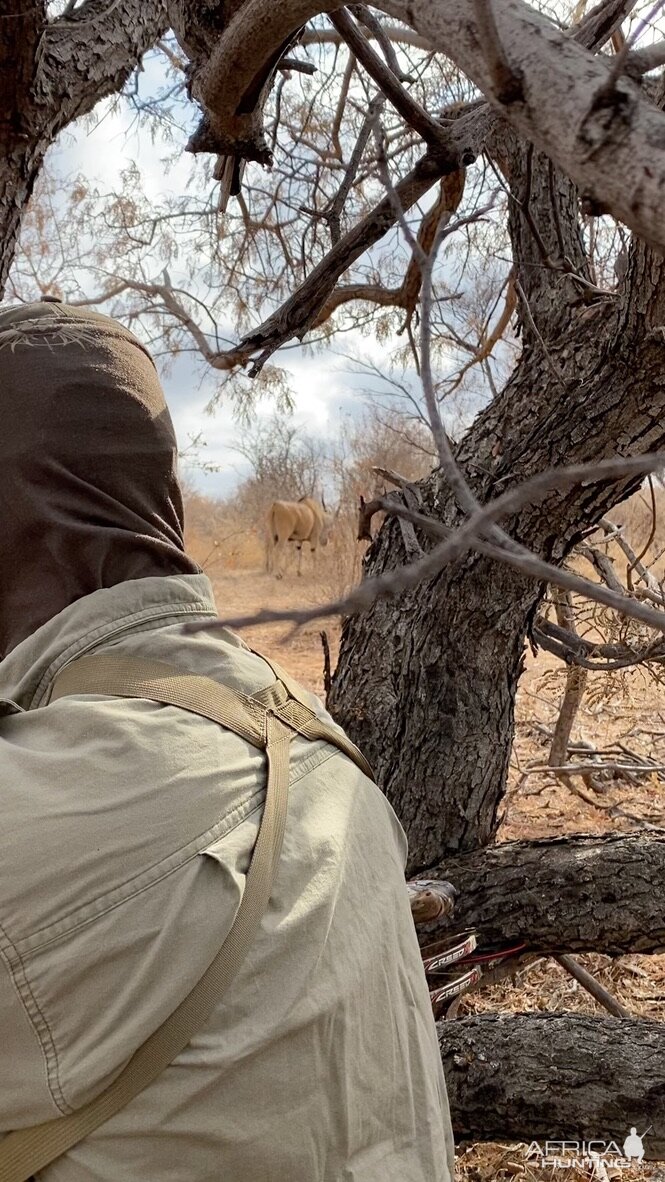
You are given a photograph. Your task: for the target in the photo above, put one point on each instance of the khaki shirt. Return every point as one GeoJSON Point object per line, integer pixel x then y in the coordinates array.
{"type": "Point", "coordinates": [127, 832]}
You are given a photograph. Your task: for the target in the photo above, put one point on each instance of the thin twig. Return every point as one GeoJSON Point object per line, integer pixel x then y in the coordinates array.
{"type": "Point", "coordinates": [582, 769]}
{"type": "Point", "coordinates": [377, 30]}
{"type": "Point", "coordinates": [548, 357]}
{"type": "Point", "coordinates": [592, 986]}
{"type": "Point", "coordinates": [645, 575]}
{"type": "Point", "coordinates": [437, 137]}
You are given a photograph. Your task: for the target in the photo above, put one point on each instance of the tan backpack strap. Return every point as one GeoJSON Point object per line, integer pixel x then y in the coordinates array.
{"type": "Point", "coordinates": [314, 727]}
{"type": "Point", "coordinates": [305, 721]}
{"type": "Point", "coordinates": [25, 1151]}
{"type": "Point", "coordinates": [128, 677]}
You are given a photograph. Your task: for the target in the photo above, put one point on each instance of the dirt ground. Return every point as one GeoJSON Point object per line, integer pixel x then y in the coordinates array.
{"type": "Point", "coordinates": [245, 592]}
{"type": "Point", "coordinates": [625, 715]}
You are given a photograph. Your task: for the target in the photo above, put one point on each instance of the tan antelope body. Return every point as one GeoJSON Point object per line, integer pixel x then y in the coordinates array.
{"type": "Point", "coordinates": [301, 521]}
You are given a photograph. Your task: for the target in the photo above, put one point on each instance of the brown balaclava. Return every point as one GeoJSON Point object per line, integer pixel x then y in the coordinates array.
{"type": "Point", "coordinates": [89, 495]}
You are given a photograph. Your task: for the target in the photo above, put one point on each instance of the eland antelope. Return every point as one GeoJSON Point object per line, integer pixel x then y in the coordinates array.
{"type": "Point", "coordinates": [306, 520]}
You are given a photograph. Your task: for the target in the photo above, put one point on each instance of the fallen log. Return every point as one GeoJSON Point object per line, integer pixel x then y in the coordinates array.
{"type": "Point", "coordinates": [554, 1077]}
{"type": "Point", "coordinates": [569, 894]}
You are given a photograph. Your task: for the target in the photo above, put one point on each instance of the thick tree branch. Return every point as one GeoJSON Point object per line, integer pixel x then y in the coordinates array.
{"type": "Point", "coordinates": [90, 54]}
{"type": "Point", "coordinates": [570, 894]}
{"type": "Point", "coordinates": [536, 1077]}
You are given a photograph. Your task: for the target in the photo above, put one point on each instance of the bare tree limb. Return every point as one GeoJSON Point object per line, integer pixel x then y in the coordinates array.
{"type": "Point", "coordinates": [592, 986]}
{"type": "Point", "coordinates": [641, 61]}
{"type": "Point", "coordinates": [435, 136]}
{"type": "Point", "coordinates": [615, 154]}
{"type": "Point", "coordinates": [317, 297]}
{"type": "Point", "coordinates": [602, 563]}
{"type": "Point", "coordinates": [635, 563]}
{"type": "Point", "coordinates": [375, 29]}
{"type": "Point", "coordinates": [406, 295]}
{"type": "Point", "coordinates": [404, 36]}
{"type": "Point", "coordinates": [574, 649]}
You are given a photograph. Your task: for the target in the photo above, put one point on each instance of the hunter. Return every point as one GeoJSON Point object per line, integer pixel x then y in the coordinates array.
{"type": "Point", "coordinates": [197, 981]}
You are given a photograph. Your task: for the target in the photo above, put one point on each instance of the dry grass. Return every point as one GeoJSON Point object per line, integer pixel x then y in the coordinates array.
{"type": "Point", "coordinates": [629, 710]}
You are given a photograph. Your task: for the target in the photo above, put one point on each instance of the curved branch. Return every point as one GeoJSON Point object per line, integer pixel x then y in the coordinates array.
{"type": "Point", "coordinates": [347, 293]}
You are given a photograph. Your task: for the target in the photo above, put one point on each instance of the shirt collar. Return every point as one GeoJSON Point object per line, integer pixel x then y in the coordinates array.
{"type": "Point", "coordinates": [27, 671]}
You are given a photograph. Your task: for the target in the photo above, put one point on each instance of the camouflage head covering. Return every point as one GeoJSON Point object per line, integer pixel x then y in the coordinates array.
{"type": "Point", "coordinates": [89, 495]}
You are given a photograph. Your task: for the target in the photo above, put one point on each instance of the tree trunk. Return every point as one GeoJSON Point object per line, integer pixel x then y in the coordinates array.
{"type": "Point", "coordinates": [426, 684]}
{"type": "Point", "coordinates": [561, 895]}
{"type": "Point", "coordinates": [20, 152]}
{"type": "Point", "coordinates": [552, 1077]}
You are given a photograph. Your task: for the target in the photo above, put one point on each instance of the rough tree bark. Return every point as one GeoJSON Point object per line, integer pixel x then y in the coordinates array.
{"type": "Point", "coordinates": [437, 671]}
{"type": "Point", "coordinates": [571, 894]}
{"type": "Point", "coordinates": [51, 72]}
{"type": "Point", "coordinates": [526, 1077]}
